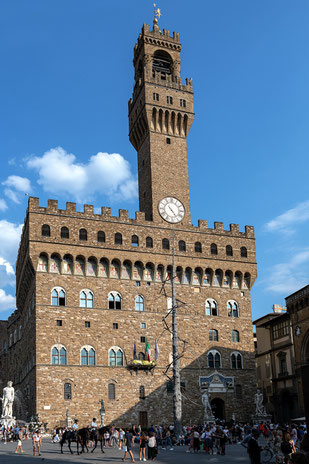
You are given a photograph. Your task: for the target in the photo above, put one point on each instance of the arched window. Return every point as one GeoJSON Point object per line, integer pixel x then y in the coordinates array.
{"type": "Point", "coordinates": [182, 245]}
{"type": "Point", "coordinates": [214, 359]}
{"type": "Point", "coordinates": [165, 244]}
{"type": "Point", "coordinates": [141, 356]}
{"type": "Point", "coordinates": [59, 355]}
{"type": "Point", "coordinates": [217, 281]}
{"type": "Point", "coordinates": [87, 356]}
{"type": "Point", "coordinates": [142, 392]}
{"type": "Point", "coordinates": [213, 335]}
{"type": "Point", "coordinates": [67, 264]}
{"type": "Point", "coordinates": [118, 238]}
{"type": "Point", "coordinates": [101, 236]}
{"type": "Point", "coordinates": [235, 336]}
{"type": "Point", "coordinates": [115, 357]}
{"type": "Point", "coordinates": [232, 309]}
{"type": "Point", "coordinates": [65, 234]}
{"type": "Point", "coordinates": [229, 250]}
{"type": "Point", "coordinates": [213, 249]}
{"type": "Point", "coordinates": [58, 297]}
{"type": "Point", "coordinates": [114, 300]}
{"type": "Point", "coordinates": [162, 63]}
{"type": "Point", "coordinates": [42, 263]}
{"type": "Point", "coordinates": [198, 247]}
{"type": "Point", "coordinates": [86, 299]}
{"type": "Point", "coordinates": [111, 391]}
{"type": "Point", "coordinates": [149, 242]}
{"type": "Point", "coordinates": [139, 303]}
{"type": "Point", "coordinates": [54, 264]}
{"type": "Point", "coordinates": [67, 393]}
{"type": "Point", "coordinates": [211, 307]}
{"type": "Point", "coordinates": [243, 252]}
{"type": "Point", "coordinates": [83, 234]}
{"type": "Point", "coordinates": [45, 230]}
{"type": "Point", "coordinates": [134, 240]}
{"type": "Point", "coordinates": [236, 360]}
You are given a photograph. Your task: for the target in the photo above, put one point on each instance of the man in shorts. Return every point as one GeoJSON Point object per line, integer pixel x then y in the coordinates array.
{"type": "Point", "coordinates": [128, 445]}
{"type": "Point", "coordinates": [36, 442]}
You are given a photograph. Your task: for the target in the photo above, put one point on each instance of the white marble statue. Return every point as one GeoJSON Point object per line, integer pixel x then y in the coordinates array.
{"type": "Point", "coordinates": [207, 406]}
{"type": "Point", "coordinates": [8, 400]}
{"type": "Point", "coordinates": [259, 407]}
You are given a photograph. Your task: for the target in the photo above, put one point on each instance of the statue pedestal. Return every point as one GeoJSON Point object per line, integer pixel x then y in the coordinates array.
{"type": "Point", "coordinates": [8, 421]}
{"type": "Point", "coordinates": [260, 418]}
{"type": "Point", "coordinates": [208, 419]}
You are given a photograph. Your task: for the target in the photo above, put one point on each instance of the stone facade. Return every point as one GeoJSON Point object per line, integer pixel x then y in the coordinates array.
{"type": "Point", "coordinates": [298, 309]}
{"type": "Point", "coordinates": [275, 364]}
{"type": "Point", "coordinates": [72, 252]}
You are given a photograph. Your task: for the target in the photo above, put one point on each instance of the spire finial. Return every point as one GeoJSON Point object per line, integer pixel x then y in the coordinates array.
{"type": "Point", "coordinates": [157, 15]}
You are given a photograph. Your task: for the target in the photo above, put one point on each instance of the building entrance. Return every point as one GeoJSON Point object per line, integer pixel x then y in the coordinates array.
{"type": "Point", "coordinates": [218, 408]}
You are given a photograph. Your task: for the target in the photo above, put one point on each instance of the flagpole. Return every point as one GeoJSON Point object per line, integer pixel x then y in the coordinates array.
{"type": "Point", "coordinates": [177, 404]}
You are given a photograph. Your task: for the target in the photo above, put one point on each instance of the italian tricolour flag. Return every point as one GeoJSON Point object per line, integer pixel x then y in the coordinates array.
{"type": "Point", "coordinates": [148, 351]}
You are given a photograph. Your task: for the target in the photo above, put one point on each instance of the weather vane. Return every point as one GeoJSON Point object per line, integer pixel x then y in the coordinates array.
{"type": "Point", "coordinates": [157, 12]}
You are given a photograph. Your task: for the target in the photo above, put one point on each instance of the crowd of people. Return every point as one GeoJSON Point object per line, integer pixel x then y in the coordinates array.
{"type": "Point", "coordinates": [289, 444]}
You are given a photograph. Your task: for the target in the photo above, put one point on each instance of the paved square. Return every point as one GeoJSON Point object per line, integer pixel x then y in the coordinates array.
{"type": "Point", "coordinates": [51, 455]}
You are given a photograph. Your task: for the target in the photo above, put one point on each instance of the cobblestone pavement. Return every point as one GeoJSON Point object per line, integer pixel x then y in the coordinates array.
{"type": "Point", "coordinates": [51, 455]}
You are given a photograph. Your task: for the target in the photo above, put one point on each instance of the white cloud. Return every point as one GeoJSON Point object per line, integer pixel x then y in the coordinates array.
{"type": "Point", "coordinates": [289, 276]}
{"type": "Point", "coordinates": [7, 302]}
{"type": "Point", "coordinates": [22, 184]}
{"type": "Point", "coordinates": [14, 196]}
{"type": "Point", "coordinates": [3, 205]}
{"type": "Point", "coordinates": [9, 240]}
{"type": "Point", "coordinates": [7, 274]}
{"type": "Point", "coordinates": [287, 221]}
{"type": "Point", "coordinates": [60, 173]}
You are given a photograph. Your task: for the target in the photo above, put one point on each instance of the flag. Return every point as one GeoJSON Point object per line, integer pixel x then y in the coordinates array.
{"type": "Point", "coordinates": [147, 351]}
{"type": "Point", "coordinates": [156, 350]}
{"type": "Point", "coordinates": [134, 350]}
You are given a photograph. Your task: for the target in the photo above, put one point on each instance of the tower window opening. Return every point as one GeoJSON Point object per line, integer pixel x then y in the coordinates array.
{"type": "Point", "coordinates": [168, 140]}
{"type": "Point", "coordinates": [169, 100]}
{"type": "Point", "coordinates": [162, 63]}
{"type": "Point", "coordinates": [183, 103]}
{"type": "Point", "coordinates": [156, 97]}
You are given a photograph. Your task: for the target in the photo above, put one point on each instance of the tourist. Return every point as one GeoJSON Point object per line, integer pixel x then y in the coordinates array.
{"type": "Point", "coordinates": [142, 446]}
{"type": "Point", "coordinates": [19, 443]}
{"type": "Point", "coordinates": [196, 441]}
{"type": "Point", "coordinates": [121, 438]}
{"type": "Point", "coordinates": [152, 446]}
{"type": "Point", "coordinates": [106, 438]}
{"type": "Point", "coordinates": [128, 445]}
{"type": "Point", "coordinates": [253, 448]}
{"type": "Point", "coordinates": [75, 425]}
{"type": "Point", "coordinates": [36, 442]}
{"type": "Point", "coordinates": [287, 447]}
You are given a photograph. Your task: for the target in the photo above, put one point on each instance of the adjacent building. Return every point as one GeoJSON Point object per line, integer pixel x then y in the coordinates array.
{"type": "Point", "coordinates": [93, 288]}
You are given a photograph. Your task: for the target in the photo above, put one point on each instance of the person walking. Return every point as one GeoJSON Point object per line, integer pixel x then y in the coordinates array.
{"type": "Point", "coordinates": [142, 446]}
{"type": "Point", "coordinates": [36, 442]}
{"type": "Point", "coordinates": [152, 446]}
{"type": "Point", "coordinates": [19, 443]}
{"type": "Point", "coordinates": [287, 447]}
{"type": "Point", "coordinates": [128, 446]}
{"type": "Point", "coordinates": [254, 450]}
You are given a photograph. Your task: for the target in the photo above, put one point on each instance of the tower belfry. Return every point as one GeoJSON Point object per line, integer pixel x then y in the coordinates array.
{"type": "Point", "coordinates": [160, 117]}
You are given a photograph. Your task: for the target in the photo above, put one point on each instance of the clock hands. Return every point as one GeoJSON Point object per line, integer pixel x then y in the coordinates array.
{"type": "Point", "coordinates": [171, 210]}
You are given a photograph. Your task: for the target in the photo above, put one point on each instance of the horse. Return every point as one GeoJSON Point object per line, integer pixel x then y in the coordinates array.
{"type": "Point", "coordinates": [98, 435]}
{"type": "Point", "coordinates": [81, 437]}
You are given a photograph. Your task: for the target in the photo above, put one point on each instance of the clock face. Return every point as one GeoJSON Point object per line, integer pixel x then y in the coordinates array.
{"type": "Point", "coordinates": [171, 210]}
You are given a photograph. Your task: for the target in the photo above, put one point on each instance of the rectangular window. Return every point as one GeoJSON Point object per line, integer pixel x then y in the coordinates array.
{"type": "Point", "coordinates": [281, 330]}
{"type": "Point", "coordinates": [168, 140]}
{"type": "Point", "coordinates": [138, 284]}
{"type": "Point", "coordinates": [59, 323]}
{"type": "Point", "coordinates": [87, 324]}
{"type": "Point", "coordinates": [143, 339]}
{"type": "Point", "coordinates": [183, 103]}
{"type": "Point", "coordinates": [169, 100]}
{"type": "Point", "coordinates": [67, 391]}
{"type": "Point", "coordinates": [143, 325]}
{"type": "Point", "coordinates": [115, 325]}
{"type": "Point", "coordinates": [111, 391]}
{"type": "Point", "coordinates": [156, 97]}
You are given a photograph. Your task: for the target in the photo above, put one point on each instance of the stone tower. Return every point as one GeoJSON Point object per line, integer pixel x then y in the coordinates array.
{"type": "Point", "coordinates": [160, 117]}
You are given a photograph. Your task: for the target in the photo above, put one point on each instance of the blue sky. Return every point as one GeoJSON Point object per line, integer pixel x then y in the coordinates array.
{"type": "Point", "coordinates": [65, 82]}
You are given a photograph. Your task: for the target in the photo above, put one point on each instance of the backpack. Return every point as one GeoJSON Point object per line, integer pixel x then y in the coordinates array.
{"type": "Point", "coordinates": [286, 447]}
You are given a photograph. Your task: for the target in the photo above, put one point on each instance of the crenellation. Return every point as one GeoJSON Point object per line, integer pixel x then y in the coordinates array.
{"type": "Point", "coordinates": [71, 207]}
{"type": "Point", "coordinates": [218, 226]}
{"type": "Point", "coordinates": [249, 231]}
{"type": "Point", "coordinates": [53, 205]}
{"type": "Point", "coordinates": [234, 228]}
{"type": "Point", "coordinates": [124, 214]}
{"type": "Point", "coordinates": [202, 224]}
{"type": "Point", "coordinates": [88, 210]}
{"type": "Point", "coordinates": [140, 217]}
{"type": "Point", "coordinates": [106, 212]}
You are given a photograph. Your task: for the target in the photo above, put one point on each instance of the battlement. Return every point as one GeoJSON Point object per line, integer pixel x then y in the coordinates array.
{"type": "Point", "coordinates": [123, 217]}
{"type": "Point", "coordinates": [157, 34]}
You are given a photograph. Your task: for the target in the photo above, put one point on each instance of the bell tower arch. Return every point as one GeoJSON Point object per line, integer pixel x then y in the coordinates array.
{"type": "Point", "coordinates": [160, 117]}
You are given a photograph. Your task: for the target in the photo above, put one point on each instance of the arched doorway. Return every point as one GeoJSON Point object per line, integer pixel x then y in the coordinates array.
{"type": "Point", "coordinates": [218, 408]}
